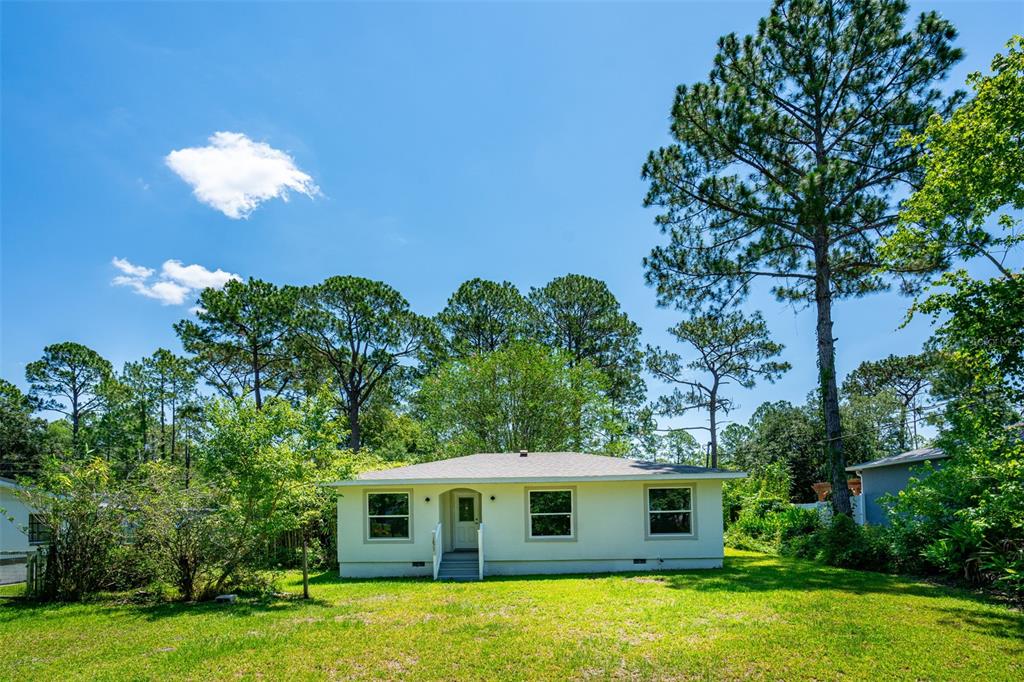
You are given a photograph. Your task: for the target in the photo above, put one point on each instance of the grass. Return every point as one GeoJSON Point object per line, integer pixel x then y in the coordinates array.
{"type": "Point", "coordinates": [759, 617]}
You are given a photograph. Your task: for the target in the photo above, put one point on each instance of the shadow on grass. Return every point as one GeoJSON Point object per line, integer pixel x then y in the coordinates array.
{"type": "Point", "coordinates": [1007, 624]}
{"type": "Point", "coordinates": [21, 607]}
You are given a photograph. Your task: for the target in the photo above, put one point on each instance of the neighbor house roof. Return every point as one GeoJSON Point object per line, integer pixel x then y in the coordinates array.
{"type": "Point", "coordinates": [8, 483]}
{"type": "Point", "coordinates": [919, 455]}
{"type": "Point", "coordinates": [513, 467]}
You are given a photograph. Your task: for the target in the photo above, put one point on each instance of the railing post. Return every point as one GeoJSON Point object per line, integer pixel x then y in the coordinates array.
{"type": "Point", "coordinates": [480, 549]}
{"type": "Point", "coordinates": [437, 541]}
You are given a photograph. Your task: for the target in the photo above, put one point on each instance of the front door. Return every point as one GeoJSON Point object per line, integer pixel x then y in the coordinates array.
{"type": "Point", "coordinates": [467, 520]}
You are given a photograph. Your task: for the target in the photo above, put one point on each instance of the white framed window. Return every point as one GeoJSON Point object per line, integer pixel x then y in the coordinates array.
{"type": "Point", "coordinates": [38, 531]}
{"type": "Point", "coordinates": [551, 514]}
{"type": "Point", "coordinates": [389, 515]}
{"type": "Point", "coordinates": [669, 511]}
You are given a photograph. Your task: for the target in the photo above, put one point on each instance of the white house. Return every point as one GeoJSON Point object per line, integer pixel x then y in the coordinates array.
{"type": "Point", "coordinates": [538, 512]}
{"type": "Point", "coordinates": [20, 534]}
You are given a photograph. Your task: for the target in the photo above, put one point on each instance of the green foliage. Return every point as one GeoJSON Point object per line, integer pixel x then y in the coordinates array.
{"type": "Point", "coordinates": [786, 164]}
{"type": "Point", "coordinates": [81, 505]}
{"type": "Point", "coordinates": [22, 436]}
{"type": "Point", "coordinates": [523, 396]}
{"type": "Point", "coordinates": [261, 461]}
{"type": "Point", "coordinates": [731, 349]}
{"type": "Point", "coordinates": [774, 526]}
{"type": "Point", "coordinates": [360, 332]}
{"type": "Point", "coordinates": [69, 379]}
{"type": "Point", "coordinates": [845, 543]}
{"type": "Point", "coordinates": [580, 317]}
{"type": "Point", "coordinates": [771, 483]}
{"type": "Point", "coordinates": [481, 317]}
{"type": "Point", "coordinates": [239, 338]}
{"type": "Point", "coordinates": [973, 162]}
{"type": "Point", "coordinates": [906, 377]}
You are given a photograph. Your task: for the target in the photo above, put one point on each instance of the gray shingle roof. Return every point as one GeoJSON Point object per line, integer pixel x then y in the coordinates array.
{"type": "Point", "coordinates": [919, 455]}
{"type": "Point", "coordinates": [536, 466]}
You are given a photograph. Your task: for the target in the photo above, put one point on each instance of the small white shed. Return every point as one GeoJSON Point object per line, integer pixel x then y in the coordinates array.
{"type": "Point", "coordinates": [529, 512]}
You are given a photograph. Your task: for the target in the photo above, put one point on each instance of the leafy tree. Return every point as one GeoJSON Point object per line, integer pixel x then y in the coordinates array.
{"type": "Point", "coordinates": [21, 434]}
{"type": "Point", "coordinates": [679, 447]}
{"type": "Point", "coordinates": [172, 383]}
{"type": "Point", "coordinates": [482, 316]}
{"type": "Point", "coordinates": [264, 465]}
{"type": "Point", "coordinates": [68, 379]}
{"type": "Point", "coordinates": [362, 331]}
{"type": "Point", "coordinates": [580, 316]}
{"type": "Point", "coordinates": [239, 339]}
{"type": "Point", "coordinates": [783, 436]}
{"type": "Point", "coordinates": [731, 349]}
{"type": "Point", "coordinates": [973, 163]}
{"type": "Point", "coordinates": [906, 376]}
{"type": "Point", "coordinates": [522, 396]}
{"type": "Point", "coordinates": [786, 163]}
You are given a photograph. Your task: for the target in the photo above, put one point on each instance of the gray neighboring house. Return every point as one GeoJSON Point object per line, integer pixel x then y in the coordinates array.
{"type": "Point", "coordinates": [890, 475]}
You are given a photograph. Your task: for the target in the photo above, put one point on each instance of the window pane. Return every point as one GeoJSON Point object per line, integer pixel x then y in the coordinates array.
{"type": "Point", "coordinates": [670, 522]}
{"type": "Point", "coordinates": [38, 532]}
{"type": "Point", "coordinates": [387, 504]}
{"type": "Point", "coordinates": [669, 499]}
{"type": "Point", "coordinates": [550, 501]}
{"type": "Point", "coordinates": [551, 526]}
{"type": "Point", "coordinates": [466, 511]}
{"type": "Point", "coordinates": [396, 527]}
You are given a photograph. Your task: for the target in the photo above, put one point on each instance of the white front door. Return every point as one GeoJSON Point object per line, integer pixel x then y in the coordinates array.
{"type": "Point", "coordinates": [467, 520]}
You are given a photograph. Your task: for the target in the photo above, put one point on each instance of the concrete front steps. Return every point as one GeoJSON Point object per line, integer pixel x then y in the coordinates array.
{"type": "Point", "coordinates": [459, 566]}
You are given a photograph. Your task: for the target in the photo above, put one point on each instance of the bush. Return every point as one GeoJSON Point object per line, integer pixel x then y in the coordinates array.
{"type": "Point", "coordinates": [82, 510]}
{"type": "Point", "coordinates": [771, 525]}
{"type": "Point", "coordinates": [846, 544]}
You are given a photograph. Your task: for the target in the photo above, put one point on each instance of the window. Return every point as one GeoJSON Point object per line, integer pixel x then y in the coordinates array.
{"type": "Point", "coordinates": [550, 514]}
{"type": "Point", "coordinates": [467, 509]}
{"type": "Point", "coordinates": [669, 511]}
{"type": "Point", "coordinates": [38, 531]}
{"type": "Point", "coordinates": [387, 516]}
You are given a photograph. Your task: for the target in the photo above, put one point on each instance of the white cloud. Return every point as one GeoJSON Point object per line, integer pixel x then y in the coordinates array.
{"type": "Point", "coordinates": [234, 174]}
{"type": "Point", "coordinates": [175, 282]}
{"type": "Point", "coordinates": [196, 276]}
{"type": "Point", "coordinates": [130, 269]}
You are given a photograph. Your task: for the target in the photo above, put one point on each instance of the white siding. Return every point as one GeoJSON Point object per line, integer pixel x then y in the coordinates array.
{"type": "Point", "coordinates": [13, 541]}
{"type": "Point", "coordinates": [610, 531]}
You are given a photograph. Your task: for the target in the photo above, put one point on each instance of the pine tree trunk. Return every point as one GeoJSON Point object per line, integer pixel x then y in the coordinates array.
{"type": "Point", "coordinates": [829, 388]}
{"type": "Point", "coordinates": [305, 566]}
{"type": "Point", "coordinates": [713, 424]}
{"type": "Point", "coordinates": [354, 430]}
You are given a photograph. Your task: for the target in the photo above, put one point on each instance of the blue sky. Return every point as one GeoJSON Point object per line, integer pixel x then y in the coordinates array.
{"type": "Point", "coordinates": [437, 142]}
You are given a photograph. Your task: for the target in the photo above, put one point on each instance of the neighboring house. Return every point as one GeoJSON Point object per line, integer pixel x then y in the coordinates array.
{"type": "Point", "coordinates": [890, 475]}
{"type": "Point", "coordinates": [20, 533]}
{"type": "Point", "coordinates": [522, 513]}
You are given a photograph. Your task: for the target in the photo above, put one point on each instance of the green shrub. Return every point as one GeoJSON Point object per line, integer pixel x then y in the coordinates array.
{"type": "Point", "coordinates": [846, 544]}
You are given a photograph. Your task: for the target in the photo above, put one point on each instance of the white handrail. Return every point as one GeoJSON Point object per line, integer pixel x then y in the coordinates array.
{"type": "Point", "coordinates": [480, 548]}
{"type": "Point", "coordinates": [438, 549]}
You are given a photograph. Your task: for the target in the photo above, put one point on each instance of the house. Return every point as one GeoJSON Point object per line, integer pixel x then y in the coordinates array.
{"type": "Point", "coordinates": [888, 476]}
{"type": "Point", "coordinates": [515, 513]}
{"type": "Point", "coordinates": [20, 533]}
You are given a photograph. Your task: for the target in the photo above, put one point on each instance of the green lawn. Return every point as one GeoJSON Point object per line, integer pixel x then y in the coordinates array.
{"type": "Point", "coordinates": [759, 617]}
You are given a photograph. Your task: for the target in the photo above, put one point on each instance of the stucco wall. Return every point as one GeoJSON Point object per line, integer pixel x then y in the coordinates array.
{"type": "Point", "coordinates": [610, 525]}
{"type": "Point", "coordinates": [887, 480]}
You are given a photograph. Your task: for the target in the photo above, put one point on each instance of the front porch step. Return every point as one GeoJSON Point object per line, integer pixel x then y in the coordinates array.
{"type": "Point", "coordinates": [459, 567]}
